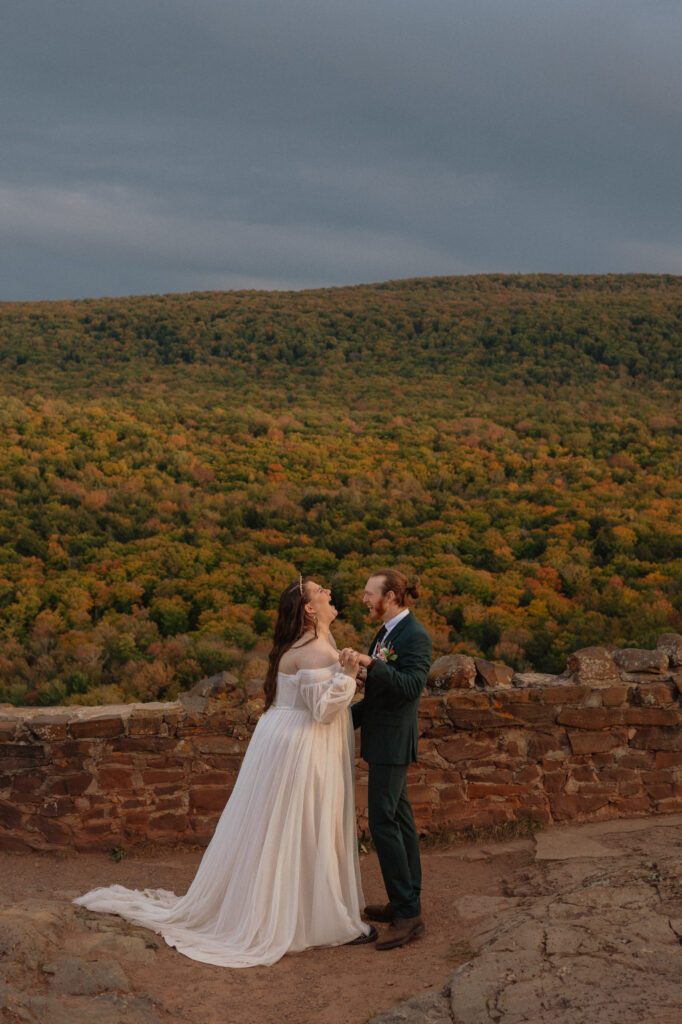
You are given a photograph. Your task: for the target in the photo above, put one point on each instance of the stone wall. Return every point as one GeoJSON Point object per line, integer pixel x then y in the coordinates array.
{"type": "Point", "coordinates": [602, 740]}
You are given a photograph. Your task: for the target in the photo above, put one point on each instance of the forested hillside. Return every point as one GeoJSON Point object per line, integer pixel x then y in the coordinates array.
{"type": "Point", "coordinates": [168, 463]}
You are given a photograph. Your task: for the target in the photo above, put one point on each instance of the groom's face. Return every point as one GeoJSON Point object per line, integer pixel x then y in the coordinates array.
{"type": "Point", "coordinates": [374, 599]}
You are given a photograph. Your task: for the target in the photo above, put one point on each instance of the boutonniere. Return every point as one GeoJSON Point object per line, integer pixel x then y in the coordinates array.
{"type": "Point", "coordinates": [385, 653]}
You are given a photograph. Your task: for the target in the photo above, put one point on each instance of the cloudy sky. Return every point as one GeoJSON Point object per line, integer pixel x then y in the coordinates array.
{"type": "Point", "coordinates": [175, 145]}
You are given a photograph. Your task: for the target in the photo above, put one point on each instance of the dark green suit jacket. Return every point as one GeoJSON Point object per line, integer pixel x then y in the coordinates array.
{"type": "Point", "coordinates": [387, 715]}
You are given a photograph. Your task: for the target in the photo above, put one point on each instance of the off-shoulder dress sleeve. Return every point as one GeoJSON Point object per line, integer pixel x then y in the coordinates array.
{"type": "Point", "coordinates": [326, 692]}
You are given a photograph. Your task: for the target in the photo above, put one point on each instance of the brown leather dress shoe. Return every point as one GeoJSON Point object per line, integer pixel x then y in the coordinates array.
{"type": "Point", "coordinates": [376, 912]}
{"type": "Point", "coordinates": [400, 931]}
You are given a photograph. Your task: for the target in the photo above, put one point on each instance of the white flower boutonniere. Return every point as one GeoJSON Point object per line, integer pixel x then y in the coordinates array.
{"type": "Point", "coordinates": [385, 653]}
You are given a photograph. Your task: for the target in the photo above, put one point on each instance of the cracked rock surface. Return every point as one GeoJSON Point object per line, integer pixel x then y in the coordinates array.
{"type": "Point", "coordinates": [580, 925]}
{"type": "Point", "coordinates": [592, 932]}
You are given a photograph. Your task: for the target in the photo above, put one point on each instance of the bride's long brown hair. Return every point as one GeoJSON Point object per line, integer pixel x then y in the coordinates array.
{"type": "Point", "coordinates": [292, 622]}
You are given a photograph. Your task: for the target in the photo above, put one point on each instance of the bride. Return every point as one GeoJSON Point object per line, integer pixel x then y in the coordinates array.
{"type": "Point", "coordinates": [281, 872]}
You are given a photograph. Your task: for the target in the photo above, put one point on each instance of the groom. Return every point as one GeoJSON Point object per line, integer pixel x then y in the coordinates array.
{"type": "Point", "coordinates": [397, 668]}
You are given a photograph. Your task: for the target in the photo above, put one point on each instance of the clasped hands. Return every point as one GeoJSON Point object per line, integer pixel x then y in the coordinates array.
{"type": "Point", "coordinates": [354, 664]}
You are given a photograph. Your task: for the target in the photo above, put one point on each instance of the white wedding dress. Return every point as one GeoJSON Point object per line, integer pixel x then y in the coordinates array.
{"type": "Point", "coordinates": [281, 872]}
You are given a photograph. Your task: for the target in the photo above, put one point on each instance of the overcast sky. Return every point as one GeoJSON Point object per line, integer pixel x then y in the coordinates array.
{"type": "Point", "coordinates": [176, 145]}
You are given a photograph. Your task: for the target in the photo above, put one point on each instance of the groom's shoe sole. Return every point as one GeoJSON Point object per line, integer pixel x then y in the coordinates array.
{"type": "Point", "coordinates": [362, 940]}
{"type": "Point", "coordinates": [376, 912]}
{"type": "Point", "coordinates": [403, 931]}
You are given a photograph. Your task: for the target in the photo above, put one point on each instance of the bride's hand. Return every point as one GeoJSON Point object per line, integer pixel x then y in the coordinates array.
{"type": "Point", "coordinates": [349, 661]}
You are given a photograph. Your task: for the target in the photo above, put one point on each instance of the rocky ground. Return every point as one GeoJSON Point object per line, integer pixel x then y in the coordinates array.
{"type": "Point", "coordinates": [581, 925]}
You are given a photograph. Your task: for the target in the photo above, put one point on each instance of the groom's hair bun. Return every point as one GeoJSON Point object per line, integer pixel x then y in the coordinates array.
{"type": "Point", "coordinates": [396, 581]}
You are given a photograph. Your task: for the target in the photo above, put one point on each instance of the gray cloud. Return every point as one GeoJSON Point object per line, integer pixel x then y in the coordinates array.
{"type": "Point", "coordinates": [163, 145]}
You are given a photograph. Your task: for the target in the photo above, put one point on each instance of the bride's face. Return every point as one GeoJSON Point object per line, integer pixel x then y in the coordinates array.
{"type": "Point", "coordinates": [319, 602]}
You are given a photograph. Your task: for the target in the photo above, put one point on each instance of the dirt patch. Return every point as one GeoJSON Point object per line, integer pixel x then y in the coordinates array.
{"type": "Point", "coordinates": [346, 985]}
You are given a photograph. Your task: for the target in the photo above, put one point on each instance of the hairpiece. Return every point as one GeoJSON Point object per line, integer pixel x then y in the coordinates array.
{"type": "Point", "coordinates": [300, 584]}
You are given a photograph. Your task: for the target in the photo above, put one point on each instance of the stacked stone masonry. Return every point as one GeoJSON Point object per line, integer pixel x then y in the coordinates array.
{"type": "Point", "coordinates": [602, 740]}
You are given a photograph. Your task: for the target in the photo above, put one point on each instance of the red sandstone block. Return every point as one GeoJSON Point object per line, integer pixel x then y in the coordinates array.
{"type": "Point", "coordinates": [151, 776]}
{"type": "Point", "coordinates": [115, 759]}
{"type": "Point", "coordinates": [536, 812]}
{"type": "Point", "coordinates": [167, 761]}
{"type": "Point", "coordinates": [599, 787]}
{"type": "Point", "coordinates": [151, 744]}
{"type": "Point", "coordinates": [26, 783]}
{"type": "Point", "coordinates": [8, 731]}
{"type": "Point", "coordinates": [590, 718]}
{"type": "Point", "coordinates": [565, 806]}
{"type": "Point", "coordinates": [172, 803]}
{"type": "Point", "coordinates": [554, 782]}
{"type": "Point", "coordinates": [54, 831]}
{"type": "Point", "coordinates": [488, 773]}
{"type": "Point", "coordinates": [10, 816]}
{"type": "Point", "coordinates": [455, 814]}
{"type": "Point", "coordinates": [652, 716]}
{"type": "Point", "coordinates": [492, 789]}
{"type": "Point", "coordinates": [653, 738]}
{"type": "Point", "coordinates": [94, 801]}
{"type": "Point", "coordinates": [660, 791]}
{"type": "Point", "coordinates": [583, 773]}
{"type": "Point", "coordinates": [661, 694]}
{"type": "Point", "coordinates": [418, 794]}
{"type": "Point", "coordinates": [528, 774]}
{"type": "Point", "coordinates": [617, 773]}
{"type": "Point", "coordinates": [659, 775]}
{"type": "Point", "coordinates": [514, 697]}
{"type": "Point", "coordinates": [635, 759]}
{"type": "Point", "coordinates": [614, 696]}
{"type": "Point", "coordinates": [670, 805]}
{"type": "Point", "coordinates": [102, 827]}
{"type": "Point", "coordinates": [146, 722]}
{"type": "Point", "coordinates": [540, 745]}
{"type": "Point", "coordinates": [221, 745]}
{"type": "Point", "coordinates": [449, 793]}
{"type": "Point", "coordinates": [23, 755]}
{"type": "Point", "coordinates": [75, 749]}
{"type": "Point", "coordinates": [563, 695]}
{"type": "Point", "coordinates": [436, 731]}
{"type": "Point", "coordinates": [214, 778]}
{"type": "Point", "coordinates": [136, 820]}
{"type": "Point", "coordinates": [49, 727]}
{"type": "Point", "coordinates": [593, 742]}
{"type": "Point", "coordinates": [208, 798]}
{"type": "Point", "coordinates": [73, 784]}
{"type": "Point", "coordinates": [532, 714]}
{"type": "Point", "coordinates": [668, 760]}
{"type": "Point", "coordinates": [114, 778]}
{"type": "Point", "coordinates": [631, 788]}
{"type": "Point", "coordinates": [456, 699]}
{"type": "Point", "coordinates": [437, 776]}
{"type": "Point", "coordinates": [635, 804]}
{"type": "Point", "coordinates": [30, 802]}
{"type": "Point", "coordinates": [58, 807]}
{"type": "Point", "coordinates": [169, 790]}
{"type": "Point", "coordinates": [431, 706]}
{"type": "Point", "coordinates": [100, 727]}
{"type": "Point", "coordinates": [168, 822]}
{"type": "Point", "coordinates": [134, 802]}
{"type": "Point", "coordinates": [463, 748]}
{"type": "Point", "coordinates": [467, 718]}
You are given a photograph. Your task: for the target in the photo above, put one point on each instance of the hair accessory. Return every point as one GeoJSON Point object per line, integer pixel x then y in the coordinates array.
{"type": "Point", "coordinates": [300, 584]}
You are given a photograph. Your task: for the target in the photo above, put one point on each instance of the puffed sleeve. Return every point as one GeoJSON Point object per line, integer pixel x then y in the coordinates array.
{"type": "Point", "coordinates": [326, 696]}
